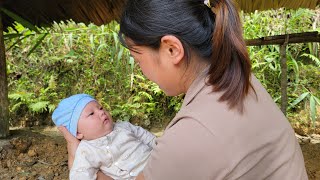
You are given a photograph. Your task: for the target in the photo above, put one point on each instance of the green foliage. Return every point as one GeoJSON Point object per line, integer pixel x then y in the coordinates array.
{"type": "Point", "coordinates": [313, 103]}
{"type": "Point", "coordinates": [23, 29]}
{"type": "Point", "coordinates": [20, 20]}
{"type": "Point", "coordinates": [275, 22]}
{"type": "Point", "coordinates": [313, 58]}
{"type": "Point", "coordinates": [75, 58]}
{"type": "Point", "coordinates": [302, 59]}
{"type": "Point", "coordinates": [47, 65]}
{"type": "Point", "coordinates": [307, 93]}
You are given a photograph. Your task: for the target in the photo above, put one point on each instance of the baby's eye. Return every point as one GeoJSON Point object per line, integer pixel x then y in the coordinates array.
{"type": "Point", "coordinates": [101, 108]}
{"type": "Point", "coordinates": [91, 114]}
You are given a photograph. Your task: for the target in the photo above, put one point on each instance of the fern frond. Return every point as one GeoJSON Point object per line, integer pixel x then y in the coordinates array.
{"type": "Point", "coordinates": [39, 107]}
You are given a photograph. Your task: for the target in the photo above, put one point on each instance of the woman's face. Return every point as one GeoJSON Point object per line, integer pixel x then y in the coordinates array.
{"type": "Point", "coordinates": [145, 58]}
{"type": "Point", "coordinates": [157, 68]}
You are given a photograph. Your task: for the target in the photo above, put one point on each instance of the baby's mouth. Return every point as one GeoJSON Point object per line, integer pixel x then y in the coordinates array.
{"type": "Point", "coordinates": [106, 120]}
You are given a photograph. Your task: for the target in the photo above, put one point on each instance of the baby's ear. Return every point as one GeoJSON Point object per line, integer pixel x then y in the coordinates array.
{"type": "Point", "coordinates": [79, 136]}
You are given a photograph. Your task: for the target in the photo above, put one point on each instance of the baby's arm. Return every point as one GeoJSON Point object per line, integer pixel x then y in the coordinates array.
{"type": "Point", "coordinates": [84, 166]}
{"type": "Point", "coordinates": [143, 135]}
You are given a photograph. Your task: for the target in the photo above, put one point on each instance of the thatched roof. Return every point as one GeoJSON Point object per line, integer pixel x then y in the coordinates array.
{"type": "Point", "coordinates": [44, 12]}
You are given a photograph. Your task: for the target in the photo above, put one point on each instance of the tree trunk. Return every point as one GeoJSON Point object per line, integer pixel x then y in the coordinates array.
{"type": "Point", "coordinates": [4, 102]}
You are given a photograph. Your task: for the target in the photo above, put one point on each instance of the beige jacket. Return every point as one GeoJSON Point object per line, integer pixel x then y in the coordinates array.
{"type": "Point", "coordinates": [206, 141]}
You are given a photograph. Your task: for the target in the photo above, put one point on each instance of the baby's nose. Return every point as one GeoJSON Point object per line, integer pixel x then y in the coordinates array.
{"type": "Point", "coordinates": [102, 112]}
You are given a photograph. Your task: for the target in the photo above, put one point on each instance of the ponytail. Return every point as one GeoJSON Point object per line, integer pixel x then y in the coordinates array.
{"type": "Point", "coordinates": [230, 66]}
{"type": "Point", "coordinates": [145, 22]}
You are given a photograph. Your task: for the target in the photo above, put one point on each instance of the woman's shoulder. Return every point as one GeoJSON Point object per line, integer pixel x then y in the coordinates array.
{"type": "Point", "coordinates": [205, 108]}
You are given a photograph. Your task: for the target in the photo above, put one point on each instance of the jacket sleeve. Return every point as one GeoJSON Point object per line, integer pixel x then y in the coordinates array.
{"type": "Point", "coordinates": [185, 151]}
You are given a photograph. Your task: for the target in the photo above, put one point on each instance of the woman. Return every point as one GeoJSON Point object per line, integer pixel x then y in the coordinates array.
{"type": "Point", "coordinates": [228, 126]}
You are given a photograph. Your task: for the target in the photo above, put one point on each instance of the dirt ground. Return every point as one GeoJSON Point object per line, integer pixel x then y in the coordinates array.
{"type": "Point", "coordinates": [41, 154]}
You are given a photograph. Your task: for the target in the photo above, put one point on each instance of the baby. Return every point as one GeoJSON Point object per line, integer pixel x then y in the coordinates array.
{"type": "Point", "coordinates": [119, 150]}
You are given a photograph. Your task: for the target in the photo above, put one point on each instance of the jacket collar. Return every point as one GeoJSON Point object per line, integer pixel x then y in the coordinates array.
{"type": "Point", "coordinates": [197, 85]}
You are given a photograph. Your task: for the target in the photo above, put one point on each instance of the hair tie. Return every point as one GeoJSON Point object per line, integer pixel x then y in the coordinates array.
{"type": "Point", "coordinates": [207, 3]}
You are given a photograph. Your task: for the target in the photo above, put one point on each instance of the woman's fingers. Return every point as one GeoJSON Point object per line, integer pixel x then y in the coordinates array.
{"type": "Point", "coordinates": [72, 141]}
{"type": "Point", "coordinates": [72, 144]}
{"type": "Point", "coordinates": [67, 135]}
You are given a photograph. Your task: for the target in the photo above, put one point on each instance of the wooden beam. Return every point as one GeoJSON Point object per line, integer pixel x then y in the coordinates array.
{"type": "Point", "coordinates": [280, 39]}
{"type": "Point", "coordinates": [4, 102]}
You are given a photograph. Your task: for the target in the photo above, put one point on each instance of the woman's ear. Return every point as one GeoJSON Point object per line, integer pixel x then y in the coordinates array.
{"type": "Point", "coordinates": [79, 136]}
{"type": "Point", "coordinates": [173, 47]}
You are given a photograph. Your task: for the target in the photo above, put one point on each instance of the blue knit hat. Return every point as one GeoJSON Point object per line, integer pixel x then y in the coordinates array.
{"type": "Point", "coordinates": [68, 111]}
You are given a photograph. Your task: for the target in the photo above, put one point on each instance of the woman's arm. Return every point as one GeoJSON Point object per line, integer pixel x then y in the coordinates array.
{"type": "Point", "coordinates": [191, 147]}
{"type": "Point", "coordinates": [140, 176]}
{"type": "Point", "coordinates": [101, 176]}
{"type": "Point", "coordinates": [72, 144]}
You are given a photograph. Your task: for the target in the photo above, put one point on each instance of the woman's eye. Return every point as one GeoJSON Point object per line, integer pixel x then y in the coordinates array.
{"type": "Point", "coordinates": [101, 108]}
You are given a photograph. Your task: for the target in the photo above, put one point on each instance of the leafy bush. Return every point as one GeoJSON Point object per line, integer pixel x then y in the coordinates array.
{"type": "Point", "coordinates": [302, 59]}
{"type": "Point", "coordinates": [75, 58]}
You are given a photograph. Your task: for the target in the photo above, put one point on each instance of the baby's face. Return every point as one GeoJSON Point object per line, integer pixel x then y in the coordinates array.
{"type": "Point", "coordinates": [94, 122]}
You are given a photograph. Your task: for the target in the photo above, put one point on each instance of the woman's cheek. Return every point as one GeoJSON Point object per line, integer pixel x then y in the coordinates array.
{"type": "Point", "coordinates": [149, 73]}
{"type": "Point", "coordinates": [146, 73]}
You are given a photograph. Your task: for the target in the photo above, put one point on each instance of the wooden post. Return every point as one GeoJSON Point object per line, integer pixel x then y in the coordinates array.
{"type": "Point", "coordinates": [4, 101]}
{"type": "Point", "coordinates": [283, 41]}
{"type": "Point", "coordinates": [284, 76]}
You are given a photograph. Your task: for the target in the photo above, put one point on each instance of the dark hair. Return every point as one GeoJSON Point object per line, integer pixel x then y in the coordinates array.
{"type": "Point", "coordinates": [213, 33]}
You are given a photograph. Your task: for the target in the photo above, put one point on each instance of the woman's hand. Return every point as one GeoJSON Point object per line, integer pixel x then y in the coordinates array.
{"type": "Point", "coordinates": [140, 176]}
{"type": "Point", "coordinates": [72, 144]}
{"type": "Point", "coordinates": [101, 176]}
